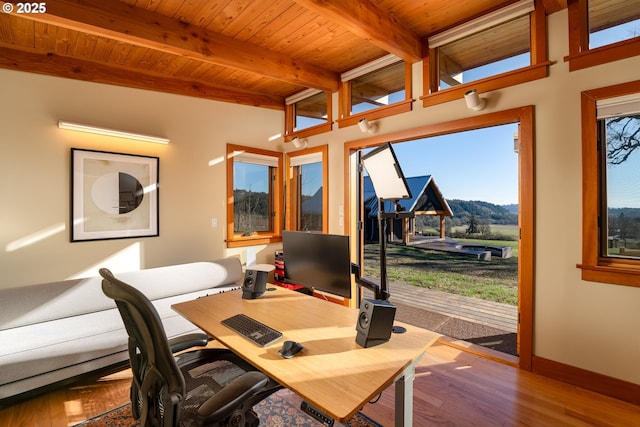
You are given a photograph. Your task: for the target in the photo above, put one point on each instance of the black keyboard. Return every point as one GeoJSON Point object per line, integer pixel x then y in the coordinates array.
{"type": "Point", "coordinates": [253, 330]}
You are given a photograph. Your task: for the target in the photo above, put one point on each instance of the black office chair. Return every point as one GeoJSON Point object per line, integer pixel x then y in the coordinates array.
{"type": "Point", "coordinates": [205, 387]}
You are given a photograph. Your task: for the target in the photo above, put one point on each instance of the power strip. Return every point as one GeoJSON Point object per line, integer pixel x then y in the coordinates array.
{"type": "Point", "coordinates": [307, 408]}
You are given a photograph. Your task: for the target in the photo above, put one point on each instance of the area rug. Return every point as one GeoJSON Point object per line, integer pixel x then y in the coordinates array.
{"type": "Point", "coordinates": [281, 409]}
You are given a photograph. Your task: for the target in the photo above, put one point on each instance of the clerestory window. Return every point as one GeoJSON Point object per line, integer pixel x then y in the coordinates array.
{"type": "Point", "coordinates": [602, 31]}
{"type": "Point", "coordinates": [501, 49]}
{"type": "Point", "coordinates": [307, 113]}
{"type": "Point", "coordinates": [378, 89]}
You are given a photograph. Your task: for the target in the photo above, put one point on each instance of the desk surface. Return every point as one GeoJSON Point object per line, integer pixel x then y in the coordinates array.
{"type": "Point", "coordinates": [332, 372]}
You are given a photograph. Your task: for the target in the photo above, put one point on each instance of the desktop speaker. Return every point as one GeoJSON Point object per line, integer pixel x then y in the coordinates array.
{"type": "Point", "coordinates": [255, 280]}
{"type": "Point", "coordinates": [375, 322]}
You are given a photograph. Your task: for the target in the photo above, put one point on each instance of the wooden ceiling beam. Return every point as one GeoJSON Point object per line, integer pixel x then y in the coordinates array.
{"type": "Point", "coordinates": [62, 66]}
{"type": "Point", "coordinates": [140, 27]}
{"type": "Point", "coordinates": [366, 20]}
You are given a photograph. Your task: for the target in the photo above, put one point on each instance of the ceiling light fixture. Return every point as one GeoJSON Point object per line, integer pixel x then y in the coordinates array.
{"type": "Point", "coordinates": [300, 143]}
{"type": "Point", "coordinates": [111, 132]}
{"type": "Point", "coordinates": [366, 126]}
{"type": "Point", "coordinates": [474, 102]}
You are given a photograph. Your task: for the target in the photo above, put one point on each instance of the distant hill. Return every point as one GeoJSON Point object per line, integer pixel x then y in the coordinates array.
{"type": "Point", "coordinates": [484, 211]}
{"type": "Point", "coordinates": [513, 208]}
{"type": "Point", "coordinates": [627, 212]}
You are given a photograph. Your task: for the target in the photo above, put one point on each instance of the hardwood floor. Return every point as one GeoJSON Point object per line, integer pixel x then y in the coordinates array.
{"type": "Point", "coordinates": [452, 388]}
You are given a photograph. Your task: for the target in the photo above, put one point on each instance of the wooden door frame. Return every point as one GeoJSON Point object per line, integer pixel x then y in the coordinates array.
{"type": "Point", "coordinates": [524, 116]}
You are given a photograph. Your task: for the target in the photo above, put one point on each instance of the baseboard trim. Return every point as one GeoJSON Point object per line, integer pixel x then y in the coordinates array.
{"type": "Point", "coordinates": [609, 386]}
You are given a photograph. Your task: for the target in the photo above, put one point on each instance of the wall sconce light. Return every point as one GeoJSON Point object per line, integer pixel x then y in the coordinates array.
{"type": "Point", "coordinates": [111, 132]}
{"type": "Point", "coordinates": [366, 126]}
{"type": "Point", "coordinates": [474, 102]}
{"type": "Point", "coordinates": [300, 143]}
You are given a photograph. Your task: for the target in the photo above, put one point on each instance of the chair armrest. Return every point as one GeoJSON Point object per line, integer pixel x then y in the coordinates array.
{"type": "Point", "coordinates": [186, 341]}
{"type": "Point", "coordinates": [221, 404]}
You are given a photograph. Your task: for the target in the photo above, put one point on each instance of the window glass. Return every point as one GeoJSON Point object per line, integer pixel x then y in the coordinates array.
{"type": "Point", "coordinates": [620, 189]}
{"type": "Point", "coordinates": [499, 49]}
{"type": "Point", "coordinates": [311, 111]}
{"type": "Point", "coordinates": [611, 21]}
{"type": "Point", "coordinates": [378, 88]}
{"type": "Point", "coordinates": [310, 197]}
{"type": "Point", "coordinates": [253, 198]}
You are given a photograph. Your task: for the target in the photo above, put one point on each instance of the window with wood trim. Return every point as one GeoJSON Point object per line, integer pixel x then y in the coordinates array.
{"type": "Point", "coordinates": [504, 48]}
{"type": "Point", "coordinates": [602, 31]}
{"type": "Point", "coordinates": [307, 113]}
{"type": "Point", "coordinates": [307, 188]}
{"type": "Point", "coordinates": [254, 196]}
{"type": "Point", "coordinates": [375, 90]}
{"type": "Point", "coordinates": [611, 184]}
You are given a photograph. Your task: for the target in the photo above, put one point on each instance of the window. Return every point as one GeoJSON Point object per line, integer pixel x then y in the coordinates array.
{"type": "Point", "coordinates": [307, 190]}
{"type": "Point", "coordinates": [612, 21]}
{"type": "Point", "coordinates": [500, 49]}
{"type": "Point", "coordinates": [254, 194]}
{"type": "Point", "coordinates": [611, 184]}
{"type": "Point", "coordinates": [476, 57]}
{"type": "Point", "coordinates": [602, 31]}
{"type": "Point", "coordinates": [378, 89]}
{"type": "Point", "coordinates": [307, 113]}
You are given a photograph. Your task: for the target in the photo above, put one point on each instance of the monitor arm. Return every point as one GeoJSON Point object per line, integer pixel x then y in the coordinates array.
{"type": "Point", "coordinates": [380, 294]}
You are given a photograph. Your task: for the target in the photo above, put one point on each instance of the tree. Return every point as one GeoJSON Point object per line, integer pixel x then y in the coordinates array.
{"type": "Point", "coordinates": [472, 226]}
{"type": "Point", "coordinates": [623, 137]}
{"type": "Point", "coordinates": [484, 228]}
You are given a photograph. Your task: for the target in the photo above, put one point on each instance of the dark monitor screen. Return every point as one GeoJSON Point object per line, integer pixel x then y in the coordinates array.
{"type": "Point", "coordinates": [318, 261]}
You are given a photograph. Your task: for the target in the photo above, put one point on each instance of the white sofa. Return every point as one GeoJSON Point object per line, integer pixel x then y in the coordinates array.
{"type": "Point", "coordinates": [53, 332]}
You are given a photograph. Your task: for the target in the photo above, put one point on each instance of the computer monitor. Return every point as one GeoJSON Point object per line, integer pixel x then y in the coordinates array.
{"type": "Point", "coordinates": [318, 261]}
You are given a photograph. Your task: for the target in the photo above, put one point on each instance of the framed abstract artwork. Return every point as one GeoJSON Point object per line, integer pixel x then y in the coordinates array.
{"type": "Point", "coordinates": [113, 196]}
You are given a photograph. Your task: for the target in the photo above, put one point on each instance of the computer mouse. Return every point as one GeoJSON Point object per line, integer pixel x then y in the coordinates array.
{"type": "Point", "coordinates": [290, 349]}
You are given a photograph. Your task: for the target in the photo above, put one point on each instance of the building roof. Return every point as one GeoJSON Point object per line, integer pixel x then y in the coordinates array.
{"type": "Point", "coordinates": [426, 198]}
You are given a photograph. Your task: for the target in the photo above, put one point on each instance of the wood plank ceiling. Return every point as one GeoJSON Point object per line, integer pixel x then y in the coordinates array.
{"type": "Point", "coordinates": [253, 52]}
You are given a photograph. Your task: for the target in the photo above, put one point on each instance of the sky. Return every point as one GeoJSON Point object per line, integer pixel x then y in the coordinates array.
{"type": "Point", "coordinates": [474, 165]}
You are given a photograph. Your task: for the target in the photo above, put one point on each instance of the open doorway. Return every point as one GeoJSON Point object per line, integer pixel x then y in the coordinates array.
{"type": "Point", "coordinates": [482, 254]}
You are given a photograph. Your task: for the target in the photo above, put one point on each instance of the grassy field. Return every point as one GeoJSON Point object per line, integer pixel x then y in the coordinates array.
{"type": "Point", "coordinates": [507, 230]}
{"type": "Point", "coordinates": [495, 280]}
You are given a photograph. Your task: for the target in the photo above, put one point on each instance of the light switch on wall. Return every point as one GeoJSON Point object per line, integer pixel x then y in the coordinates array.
{"type": "Point", "coordinates": [214, 222]}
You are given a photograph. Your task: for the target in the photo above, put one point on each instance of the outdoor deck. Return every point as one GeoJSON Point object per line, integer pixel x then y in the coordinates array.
{"type": "Point", "coordinates": [492, 314]}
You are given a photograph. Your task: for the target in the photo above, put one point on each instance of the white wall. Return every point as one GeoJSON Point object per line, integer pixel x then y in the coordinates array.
{"type": "Point", "coordinates": [588, 325]}
{"type": "Point", "coordinates": [35, 164]}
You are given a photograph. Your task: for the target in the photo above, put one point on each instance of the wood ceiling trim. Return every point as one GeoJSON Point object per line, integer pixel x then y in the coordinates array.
{"type": "Point", "coordinates": [151, 30]}
{"type": "Point", "coordinates": [60, 66]}
{"type": "Point", "coordinates": [369, 22]}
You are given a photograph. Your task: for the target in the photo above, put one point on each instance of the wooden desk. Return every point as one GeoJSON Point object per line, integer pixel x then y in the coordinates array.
{"type": "Point", "coordinates": [332, 373]}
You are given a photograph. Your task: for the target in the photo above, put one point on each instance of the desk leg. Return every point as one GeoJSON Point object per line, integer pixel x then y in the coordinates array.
{"type": "Point", "coordinates": [404, 396]}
